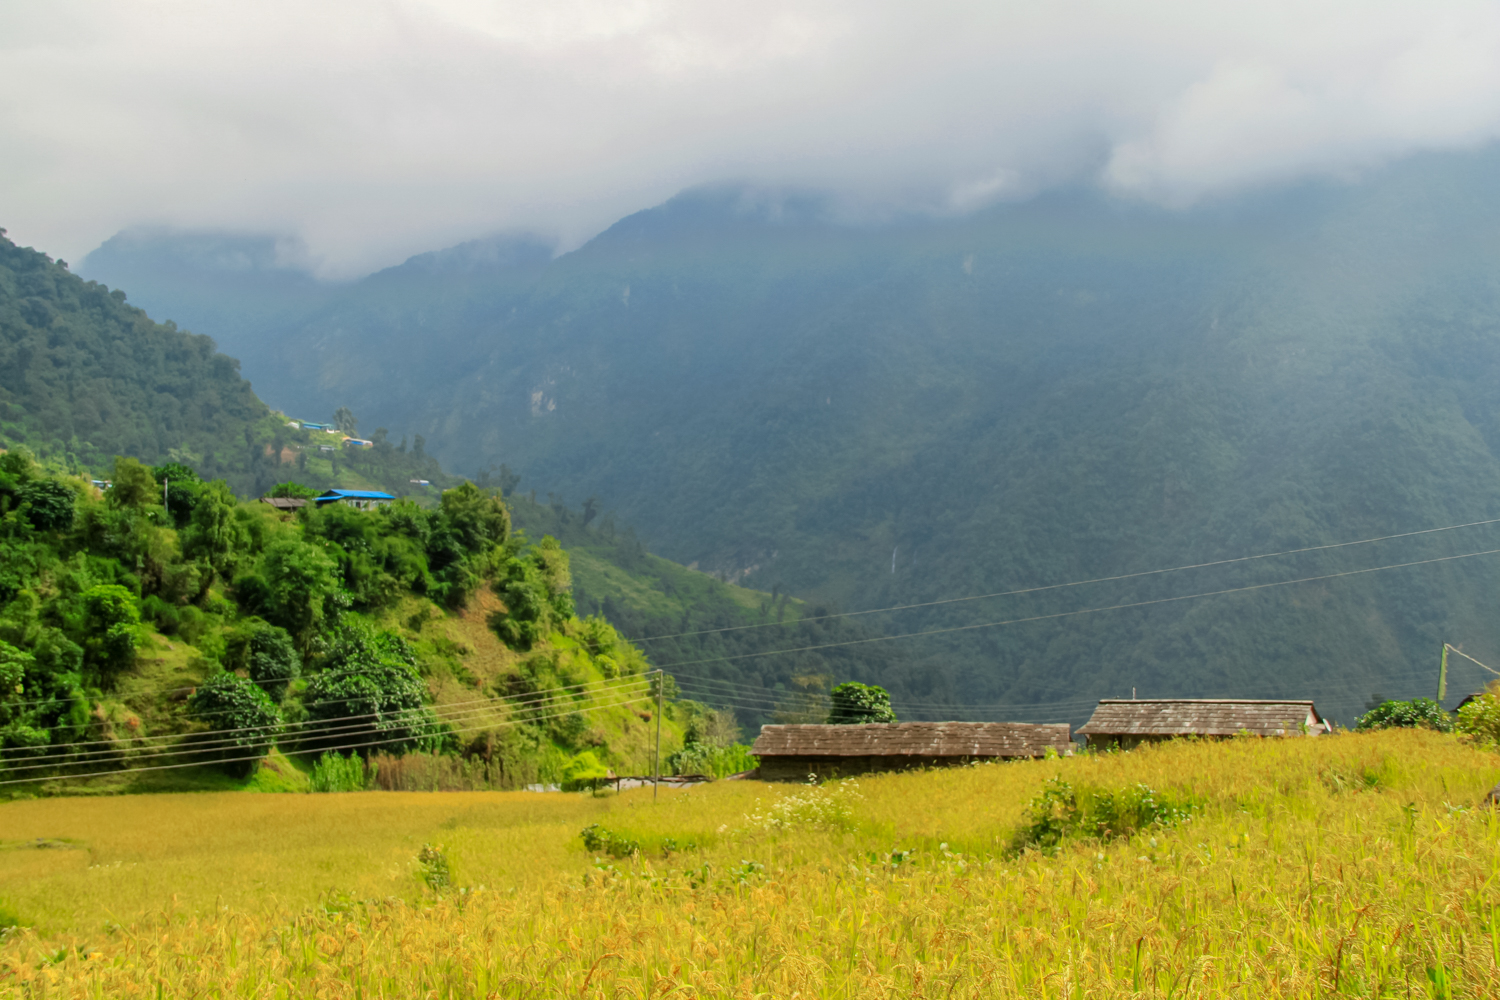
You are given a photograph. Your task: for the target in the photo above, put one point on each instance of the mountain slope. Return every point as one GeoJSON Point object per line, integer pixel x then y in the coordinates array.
{"type": "Point", "coordinates": [1039, 393]}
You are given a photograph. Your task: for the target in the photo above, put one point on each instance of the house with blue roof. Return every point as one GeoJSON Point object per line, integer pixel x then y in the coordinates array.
{"type": "Point", "coordinates": [362, 499]}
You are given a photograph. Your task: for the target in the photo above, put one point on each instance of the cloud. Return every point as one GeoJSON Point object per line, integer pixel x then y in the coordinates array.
{"type": "Point", "coordinates": [378, 129]}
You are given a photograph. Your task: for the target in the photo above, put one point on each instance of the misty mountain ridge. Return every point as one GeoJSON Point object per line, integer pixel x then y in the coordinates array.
{"type": "Point", "coordinates": [1059, 389]}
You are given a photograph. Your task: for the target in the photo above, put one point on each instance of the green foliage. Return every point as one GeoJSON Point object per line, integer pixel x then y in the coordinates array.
{"type": "Point", "coordinates": [295, 491]}
{"type": "Point", "coordinates": [435, 870]}
{"type": "Point", "coordinates": [599, 840]}
{"type": "Point", "coordinates": [1419, 712]}
{"type": "Point", "coordinates": [714, 761]}
{"type": "Point", "coordinates": [49, 504]}
{"type": "Point", "coordinates": [1059, 813]}
{"type": "Point", "coordinates": [335, 772]}
{"type": "Point", "coordinates": [1480, 718]}
{"type": "Point", "coordinates": [293, 586]}
{"type": "Point", "coordinates": [535, 587]}
{"type": "Point", "coordinates": [583, 771]}
{"type": "Point", "coordinates": [110, 619]}
{"type": "Point", "coordinates": [274, 661]}
{"type": "Point", "coordinates": [368, 695]}
{"type": "Point", "coordinates": [230, 702]}
{"type": "Point", "coordinates": [853, 704]}
{"type": "Point", "coordinates": [132, 485]}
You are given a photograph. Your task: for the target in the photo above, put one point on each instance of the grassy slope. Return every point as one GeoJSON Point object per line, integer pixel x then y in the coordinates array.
{"type": "Point", "coordinates": [1287, 878]}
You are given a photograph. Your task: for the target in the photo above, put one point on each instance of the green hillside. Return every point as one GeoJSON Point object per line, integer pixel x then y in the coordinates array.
{"type": "Point", "coordinates": [220, 643]}
{"type": "Point", "coordinates": [1038, 393]}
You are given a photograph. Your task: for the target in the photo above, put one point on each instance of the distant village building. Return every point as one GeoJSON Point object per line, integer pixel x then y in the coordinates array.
{"type": "Point", "coordinates": [1126, 722]}
{"type": "Point", "coordinates": [792, 752]}
{"type": "Point", "coordinates": [358, 443]}
{"type": "Point", "coordinates": [284, 503]}
{"type": "Point", "coordinates": [363, 499]}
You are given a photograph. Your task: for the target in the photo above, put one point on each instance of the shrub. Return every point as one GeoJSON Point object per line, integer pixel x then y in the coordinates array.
{"type": "Point", "coordinates": [584, 771]}
{"type": "Point", "coordinates": [1419, 713]}
{"type": "Point", "coordinates": [598, 840]}
{"type": "Point", "coordinates": [1480, 718]}
{"type": "Point", "coordinates": [854, 704]}
{"type": "Point", "coordinates": [243, 722]}
{"type": "Point", "coordinates": [110, 618]}
{"type": "Point", "coordinates": [1059, 813]}
{"type": "Point", "coordinates": [716, 762]}
{"type": "Point", "coordinates": [337, 773]}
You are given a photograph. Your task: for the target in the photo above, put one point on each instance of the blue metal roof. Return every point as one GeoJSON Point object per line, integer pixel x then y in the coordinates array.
{"type": "Point", "coordinates": [355, 495]}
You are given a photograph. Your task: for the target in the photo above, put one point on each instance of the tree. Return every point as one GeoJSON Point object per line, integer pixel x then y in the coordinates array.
{"type": "Point", "coordinates": [855, 704]}
{"type": "Point", "coordinates": [51, 504]}
{"type": "Point", "coordinates": [535, 589]}
{"type": "Point", "coordinates": [242, 720]}
{"type": "Point", "coordinates": [368, 697]}
{"type": "Point", "coordinates": [132, 484]}
{"type": "Point", "coordinates": [213, 534]}
{"type": "Point", "coordinates": [299, 581]}
{"type": "Point", "coordinates": [110, 620]}
{"type": "Point", "coordinates": [477, 517]}
{"type": "Point", "coordinates": [343, 418]}
{"type": "Point", "coordinates": [274, 662]}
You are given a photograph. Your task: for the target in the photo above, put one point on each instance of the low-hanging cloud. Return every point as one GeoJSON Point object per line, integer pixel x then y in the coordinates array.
{"type": "Point", "coordinates": [375, 130]}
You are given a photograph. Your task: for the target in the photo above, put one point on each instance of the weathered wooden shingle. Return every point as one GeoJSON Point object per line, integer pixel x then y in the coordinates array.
{"type": "Point", "coordinates": [914, 739]}
{"type": "Point", "coordinates": [1159, 717]}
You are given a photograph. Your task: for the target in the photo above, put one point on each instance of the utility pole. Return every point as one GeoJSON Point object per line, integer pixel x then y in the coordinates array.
{"type": "Point", "coordinates": [1443, 677]}
{"type": "Point", "coordinates": [164, 504]}
{"type": "Point", "coordinates": [661, 679]}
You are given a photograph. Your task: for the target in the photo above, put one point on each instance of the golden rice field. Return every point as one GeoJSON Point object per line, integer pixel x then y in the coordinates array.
{"type": "Point", "coordinates": [1353, 864]}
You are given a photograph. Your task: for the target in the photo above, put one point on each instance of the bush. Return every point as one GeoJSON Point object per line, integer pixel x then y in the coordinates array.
{"type": "Point", "coordinates": [716, 762]}
{"type": "Point", "coordinates": [1480, 718]}
{"type": "Point", "coordinates": [243, 722]}
{"type": "Point", "coordinates": [584, 771]}
{"type": "Point", "coordinates": [110, 618]}
{"type": "Point", "coordinates": [598, 840]}
{"type": "Point", "coordinates": [337, 773]}
{"type": "Point", "coordinates": [1059, 813]}
{"type": "Point", "coordinates": [855, 704]}
{"type": "Point", "coordinates": [1419, 713]}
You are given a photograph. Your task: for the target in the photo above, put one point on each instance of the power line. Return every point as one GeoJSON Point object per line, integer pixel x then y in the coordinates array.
{"type": "Point", "coordinates": [335, 749]}
{"type": "Point", "coordinates": [521, 702]}
{"type": "Point", "coordinates": [1075, 583]}
{"type": "Point", "coordinates": [1084, 611]}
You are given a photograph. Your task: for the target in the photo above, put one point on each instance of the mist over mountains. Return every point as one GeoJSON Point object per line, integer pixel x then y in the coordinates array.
{"type": "Point", "coordinates": [1066, 388]}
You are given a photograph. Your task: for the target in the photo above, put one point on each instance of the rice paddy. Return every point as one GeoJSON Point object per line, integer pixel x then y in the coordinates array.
{"type": "Point", "coordinates": [1359, 864]}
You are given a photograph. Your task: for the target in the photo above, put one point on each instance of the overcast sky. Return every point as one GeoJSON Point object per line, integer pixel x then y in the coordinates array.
{"type": "Point", "coordinates": [375, 130]}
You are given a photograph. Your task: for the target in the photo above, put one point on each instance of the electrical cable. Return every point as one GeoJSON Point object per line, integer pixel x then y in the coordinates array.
{"type": "Point", "coordinates": [522, 703]}
{"type": "Point", "coordinates": [230, 760]}
{"type": "Point", "coordinates": [1083, 611]}
{"type": "Point", "coordinates": [1075, 583]}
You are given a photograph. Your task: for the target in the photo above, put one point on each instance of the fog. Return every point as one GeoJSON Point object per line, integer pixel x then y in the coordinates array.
{"type": "Point", "coordinates": [371, 131]}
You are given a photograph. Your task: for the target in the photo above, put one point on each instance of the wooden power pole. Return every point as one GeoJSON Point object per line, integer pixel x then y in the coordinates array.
{"type": "Point", "coordinates": [661, 682]}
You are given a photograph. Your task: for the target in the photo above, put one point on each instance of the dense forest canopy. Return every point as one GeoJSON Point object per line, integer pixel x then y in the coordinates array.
{"type": "Point", "coordinates": [1041, 392]}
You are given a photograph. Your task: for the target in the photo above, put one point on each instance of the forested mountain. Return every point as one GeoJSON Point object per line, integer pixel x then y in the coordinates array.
{"type": "Point", "coordinates": [1038, 393]}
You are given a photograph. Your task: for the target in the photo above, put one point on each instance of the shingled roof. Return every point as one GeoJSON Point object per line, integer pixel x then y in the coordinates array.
{"type": "Point", "coordinates": [1202, 717]}
{"type": "Point", "coordinates": [913, 739]}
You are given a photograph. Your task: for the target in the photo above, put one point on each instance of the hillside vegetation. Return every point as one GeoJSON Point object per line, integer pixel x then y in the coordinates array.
{"type": "Point", "coordinates": [1042, 392]}
{"type": "Point", "coordinates": [1359, 865]}
{"type": "Point", "coordinates": [138, 639]}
